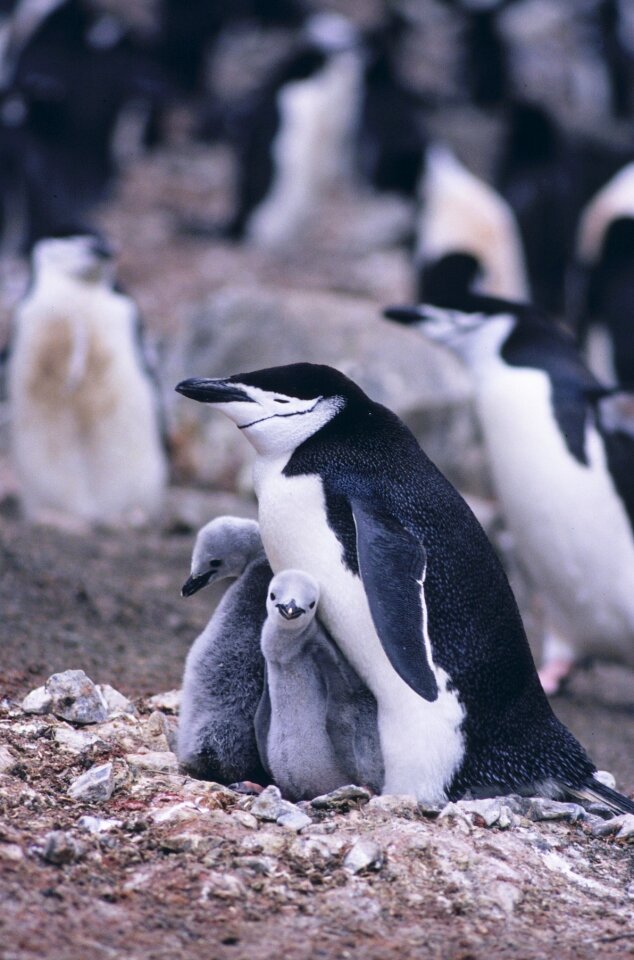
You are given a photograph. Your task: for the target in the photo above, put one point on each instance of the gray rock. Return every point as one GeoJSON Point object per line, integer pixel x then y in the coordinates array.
{"type": "Point", "coordinates": [622, 827]}
{"type": "Point", "coordinates": [98, 824]}
{"type": "Point", "coordinates": [169, 701]}
{"type": "Point", "coordinates": [293, 820]}
{"type": "Point", "coordinates": [364, 854]}
{"type": "Point", "coordinates": [342, 798]}
{"type": "Point", "coordinates": [262, 866]}
{"type": "Point", "coordinates": [75, 741]}
{"type": "Point", "coordinates": [115, 702]}
{"type": "Point", "coordinates": [96, 785]}
{"type": "Point", "coordinates": [494, 811]}
{"type": "Point", "coordinates": [269, 805]}
{"type": "Point", "coordinates": [243, 328]}
{"type": "Point", "coordinates": [59, 848]}
{"type": "Point", "coordinates": [37, 701]}
{"type": "Point", "coordinates": [541, 808]}
{"type": "Point", "coordinates": [245, 819]}
{"type": "Point", "coordinates": [7, 760]}
{"type": "Point", "coordinates": [74, 697]}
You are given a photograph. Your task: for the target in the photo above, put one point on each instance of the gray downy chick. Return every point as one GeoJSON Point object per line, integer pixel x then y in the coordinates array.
{"type": "Point", "coordinates": [224, 670]}
{"type": "Point", "coordinates": [316, 725]}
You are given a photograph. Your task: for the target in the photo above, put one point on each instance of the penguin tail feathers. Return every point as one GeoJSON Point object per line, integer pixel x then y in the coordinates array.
{"type": "Point", "coordinates": [596, 792]}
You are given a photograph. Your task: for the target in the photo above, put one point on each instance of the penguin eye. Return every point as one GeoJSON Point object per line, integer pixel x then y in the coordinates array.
{"type": "Point", "coordinates": [311, 605]}
{"type": "Point", "coordinates": [214, 564]}
{"type": "Point", "coordinates": [279, 400]}
{"type": "Point", "coordinates": [272, 596]}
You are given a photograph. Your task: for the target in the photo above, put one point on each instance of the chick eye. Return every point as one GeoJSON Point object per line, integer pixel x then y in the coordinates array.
{"type": "Point", "coordinates": [214, 564]}
{"type": "Point", "coordinates": [272, 596]}
{"type": "Point", "coordinates": [279, 400]}
{"type": "Point", "coordinates": [311, 605]}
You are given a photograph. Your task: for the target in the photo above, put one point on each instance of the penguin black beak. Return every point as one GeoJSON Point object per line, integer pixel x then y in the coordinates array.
{"type": "Point", "coordinates": [212, 391]}
{"type": "Point", "coordinates": [193, 584]}
{"type": "Point", "coordinates": [404, 315]}
{"type": "Point", "coordinates": [290, 610]}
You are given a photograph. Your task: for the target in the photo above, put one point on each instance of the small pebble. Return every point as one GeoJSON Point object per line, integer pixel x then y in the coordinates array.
{"type": "Point", "coordinates": [341, 797]}
{"type": "Point", "coordinates": [96, 785]}
{"type": "Point", "coordinates": [60, 848]}
{"type": "Point", "coordinates": [363, 855]}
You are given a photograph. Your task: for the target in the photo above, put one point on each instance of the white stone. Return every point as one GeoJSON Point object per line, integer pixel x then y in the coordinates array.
{"type": "Point", "coordinates": [269, 805]}
{"type": "Point", "coordinates": [115, 701]}
{"type": "Point", "coordinates": [97, 824]}
{"type": "Point", "coordinates": [606, 778]}
{"type": "Point", "coordinates": [170, 700]}
{"type": "Point", "coordinates": [37, 701]}
{"type": "Point", "coordinates": [293, 820]}
{"type": "Point", "coordinates": [7, 760]}
{"type": "Point", "coordinates": [97, 784]}
{"type": "Point", "coordinates": [364, 854]}
{"type": "Point", "coordinates": [74, 740]}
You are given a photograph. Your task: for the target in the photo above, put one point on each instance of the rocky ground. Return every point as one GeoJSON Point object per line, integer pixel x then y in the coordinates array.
{"type": "Point", "coordinates": [157, 865]}
{"type": "Point", "coordinates": [107, 850]}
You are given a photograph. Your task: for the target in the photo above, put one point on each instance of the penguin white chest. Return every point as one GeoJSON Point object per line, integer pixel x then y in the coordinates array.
{"type": "Point", "coordinates": [570, 527]}
{"type": "Point", "coordinates": [422, 742]}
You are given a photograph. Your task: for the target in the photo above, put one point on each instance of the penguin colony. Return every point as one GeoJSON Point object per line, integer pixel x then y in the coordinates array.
{"type": "Point", "coordinates": [370, 633]}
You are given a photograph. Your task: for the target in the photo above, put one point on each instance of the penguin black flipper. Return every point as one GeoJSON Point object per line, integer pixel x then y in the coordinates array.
{"type": "Point", "coordinates": [392, 566]}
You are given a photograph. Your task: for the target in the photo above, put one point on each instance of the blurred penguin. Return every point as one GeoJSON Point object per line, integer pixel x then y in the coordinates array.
{"type": "Point", "coordinates": [83, 405]}
{"type": "Point", "coordinates": [467, 234]}
{"type": "Point", "coordinates": [601, 283]}
{"type": "Point", "coordinates": [391, 133]}
{"type": "Point", "coordinates": [294, 138]}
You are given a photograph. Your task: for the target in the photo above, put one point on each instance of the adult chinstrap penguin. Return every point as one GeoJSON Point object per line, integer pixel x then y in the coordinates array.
{"type": "Point", "coordinates": [561, 449]}
{"type": "Point", "coordinates": [411, 590]}
{"type": "Point", "coordinates": [316, 724]}
{"type": "Point", "coordinates": [85, 414]}
{"type": "Point", "coordinates": [224, 670]}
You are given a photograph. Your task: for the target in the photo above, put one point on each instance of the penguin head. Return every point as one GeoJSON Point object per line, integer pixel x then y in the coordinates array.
{"type": "Point", "coordinates": [223, 548]}
{"type": "Point", "coordinates": [331, 32]}
{"type": "Point", "coordinates": [77, 255]}
{"type": "Point", "coordinates": [280, 407]}
{"type": "Point", "coordinates": [475, 333]}
{"type": "Point", "coordinates": [292, 600]}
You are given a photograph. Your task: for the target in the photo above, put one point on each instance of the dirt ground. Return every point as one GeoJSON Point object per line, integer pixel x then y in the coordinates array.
{"type": "Point", "coordinates": [109, 604]}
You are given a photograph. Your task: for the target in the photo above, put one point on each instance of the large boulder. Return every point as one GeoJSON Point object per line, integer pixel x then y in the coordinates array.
{"type": "Point", "coordinates": [246, 328]}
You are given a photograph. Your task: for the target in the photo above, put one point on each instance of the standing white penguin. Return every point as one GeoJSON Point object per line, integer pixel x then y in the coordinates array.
{"type": "Point", "coordinates": [463, 219]}
{"type": "Point", "coordinates": [601, 283]}
{"type": "Point", "coordinates": [561, 450]}
{"type": "Point", "coordinates": [86, 436]}
{"type": "Point", "coordinates": [411, 590]}
{"type": "Point", "coordinates": [224, 670]}
{"type": "Point", "coordinates": [316, 723]}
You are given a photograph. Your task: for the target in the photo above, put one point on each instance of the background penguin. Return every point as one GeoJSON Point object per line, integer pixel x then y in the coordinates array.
{"type": "Point", "coordinates": [460, 214]}
{"type": "Point", "coordinates": [411, 590]}
{"type": "Point", "coordinates": [602, 279]}
{"type": "Point", "coordinates": [316, 724]}
{"type": "Point", "coordinates": [295, 137]}
{"type": "Point", "coordinates": [224, 670]}
{"type": "Point", "coordinates": [84, 410]}
{"type": "Point", "coordinates": [561, 451]}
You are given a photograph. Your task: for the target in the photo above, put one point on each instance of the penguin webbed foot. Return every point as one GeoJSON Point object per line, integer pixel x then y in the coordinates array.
{"type": "Point", "coordinates": [246, 787]}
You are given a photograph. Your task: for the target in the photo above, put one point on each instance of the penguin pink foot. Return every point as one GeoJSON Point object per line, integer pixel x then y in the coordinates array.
{"type": "Point", "coordinates": [553, 674]}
